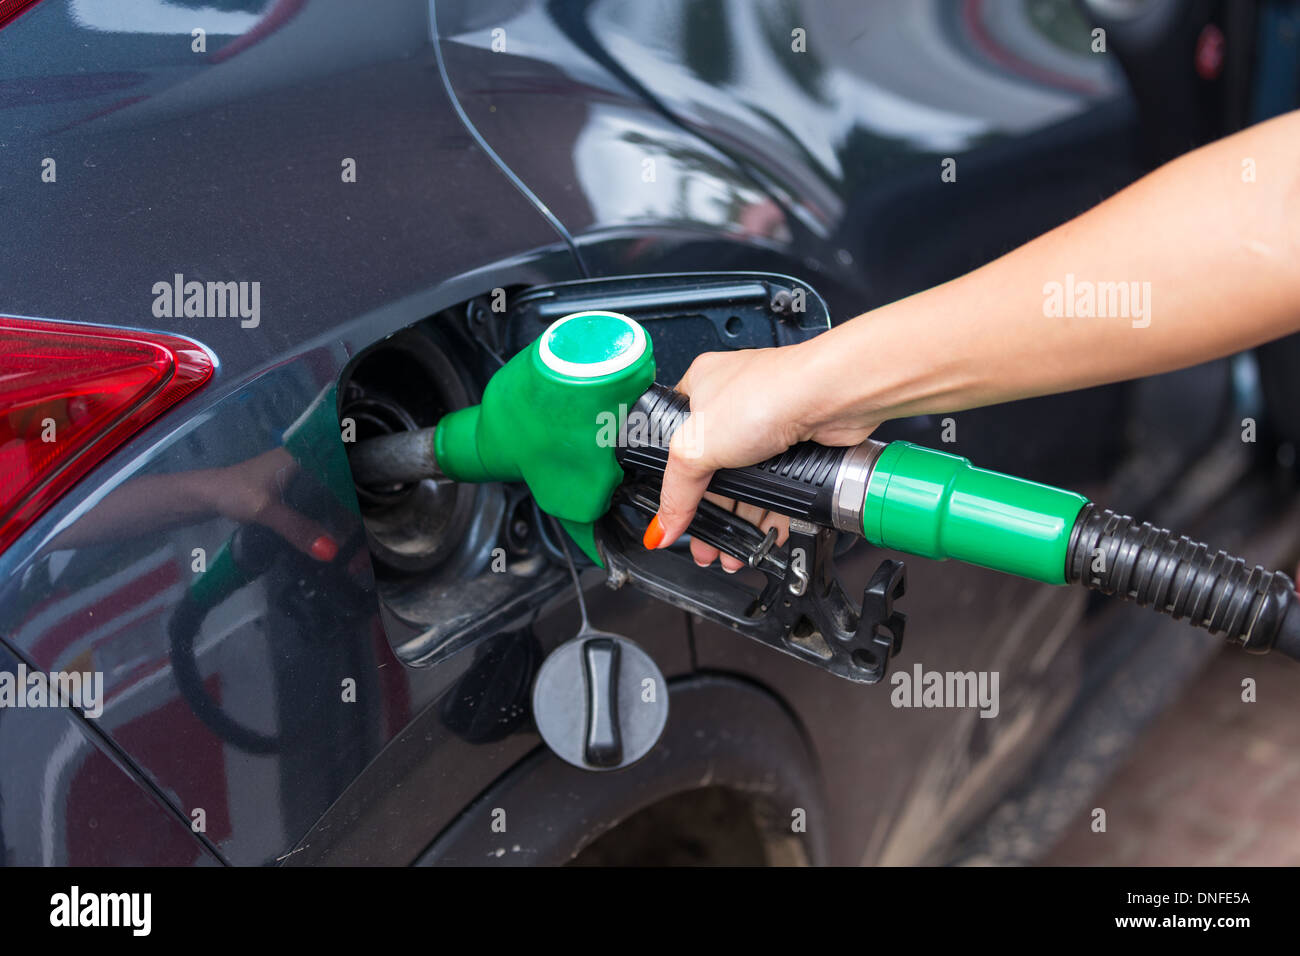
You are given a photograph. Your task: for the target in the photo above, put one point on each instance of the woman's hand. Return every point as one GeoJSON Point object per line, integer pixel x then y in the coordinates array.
{"type": "Point", "coordinates": [745, 407]}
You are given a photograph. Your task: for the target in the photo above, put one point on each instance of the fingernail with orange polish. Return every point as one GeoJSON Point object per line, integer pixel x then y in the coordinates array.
{"type": "Point", "coordinates": [324, 548]}
{"type": "Point", "coordinates": [654, 533]}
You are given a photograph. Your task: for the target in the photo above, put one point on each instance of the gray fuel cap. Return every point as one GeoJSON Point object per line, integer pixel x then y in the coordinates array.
{"type": "Point", "coordinates": [600, 702]}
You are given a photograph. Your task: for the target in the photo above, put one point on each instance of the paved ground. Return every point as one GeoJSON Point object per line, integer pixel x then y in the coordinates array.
{"type": "Point", "coordinates": [1216, 781]}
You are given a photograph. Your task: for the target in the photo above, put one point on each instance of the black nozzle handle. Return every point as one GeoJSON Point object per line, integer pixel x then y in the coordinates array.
{"type": "Point", "coordinates": [1153, 567]}
{"type": "Point", "coordinates": [799, 482]}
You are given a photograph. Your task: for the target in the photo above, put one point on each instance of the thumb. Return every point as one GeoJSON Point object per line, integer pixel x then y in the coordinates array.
{"type": "Point", "coordinates": [686, 477]}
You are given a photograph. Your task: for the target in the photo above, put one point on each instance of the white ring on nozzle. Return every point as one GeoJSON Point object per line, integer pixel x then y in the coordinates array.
{"type": "Point", "coordinates": [593, 369]}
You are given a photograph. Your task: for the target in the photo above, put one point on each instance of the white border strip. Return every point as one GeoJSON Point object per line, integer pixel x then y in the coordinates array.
{"type": "Point", "coordinates": [593, 369]}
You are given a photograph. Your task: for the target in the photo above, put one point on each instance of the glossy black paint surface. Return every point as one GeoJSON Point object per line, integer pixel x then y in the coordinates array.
{"type": "Point", "coordinates": [226, 165]}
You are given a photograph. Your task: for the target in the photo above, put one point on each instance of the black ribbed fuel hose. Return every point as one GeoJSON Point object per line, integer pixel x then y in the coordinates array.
{"type": "Point", "coordinates": [1153, 567]}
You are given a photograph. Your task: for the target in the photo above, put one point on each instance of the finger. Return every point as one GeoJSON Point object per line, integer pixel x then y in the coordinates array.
{"type": "Point", "coordinates": [685, 479]}
{"type": "Point", "coordinates": [702, 553]}
{"type": "Point", "coordinates": [780, 522]}
{"type": "Point", "coordinates": [723, 502]}
{"type": "Point", "coordinates": [684, 383]}
{"type": "Point", "coordinates": [729, 564]}
{"type": "Point", "coordinates": [300, 531]}
{"type": "Point", "coordinates": [754, 515]}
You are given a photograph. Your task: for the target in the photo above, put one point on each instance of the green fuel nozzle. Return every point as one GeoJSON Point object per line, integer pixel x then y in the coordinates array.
{"type": "Point", "coordinates": [549, 418]}
{"type": "Point", "coordinates": [576, 414]}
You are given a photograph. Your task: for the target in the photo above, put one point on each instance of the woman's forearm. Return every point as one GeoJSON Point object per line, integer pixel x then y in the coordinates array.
{"type": "Point", "coordinates": [1198, 260]}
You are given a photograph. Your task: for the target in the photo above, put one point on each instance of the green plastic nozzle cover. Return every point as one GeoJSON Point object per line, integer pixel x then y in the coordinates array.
{"type": "Point", "coordinates": [939, 505]}
{"type": "Point", "coordinates": [550, 418]}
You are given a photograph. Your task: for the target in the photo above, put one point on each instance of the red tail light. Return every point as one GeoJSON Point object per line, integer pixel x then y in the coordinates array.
{"type": "Point", "coordinates": [69, 395]}
{"type": "Point", "coordinates": [13, 9]}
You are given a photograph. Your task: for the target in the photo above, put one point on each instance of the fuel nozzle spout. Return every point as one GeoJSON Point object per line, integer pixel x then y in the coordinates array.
{"type": "Point", "coordinates": [398, 458]}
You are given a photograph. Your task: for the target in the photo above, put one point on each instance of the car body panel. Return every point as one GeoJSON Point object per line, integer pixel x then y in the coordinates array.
{"type": "Point", "coordinates": [70, 800]}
